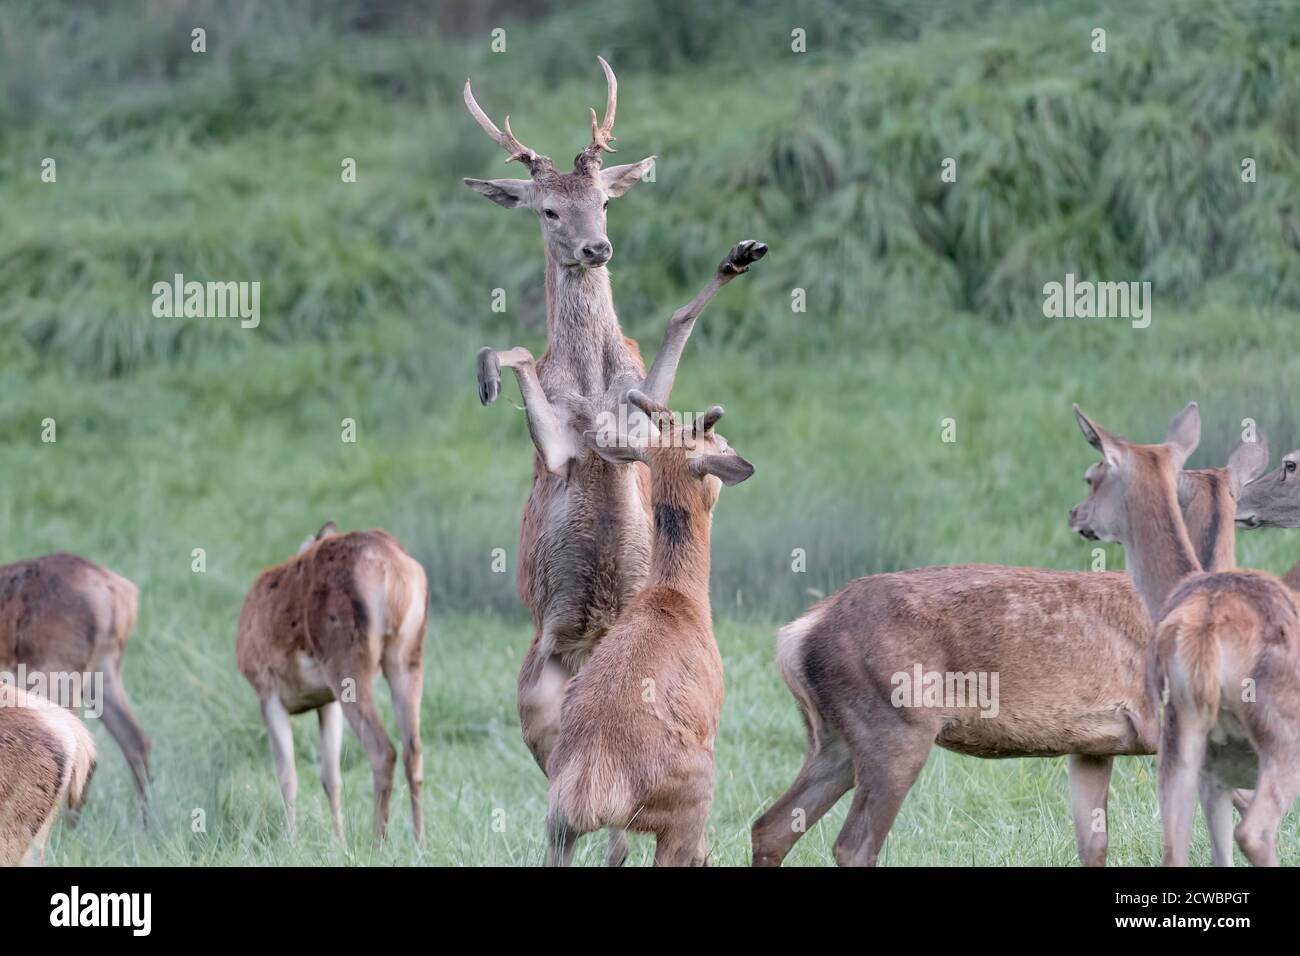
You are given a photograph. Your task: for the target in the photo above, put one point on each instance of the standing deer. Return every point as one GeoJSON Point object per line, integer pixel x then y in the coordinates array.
{"type": "Point", "coordinates": [635, 748]}
{"type": "Point", "coordinates": [1225, 659]}
{"type": "Point", "coordinates": [46, 759]}
{"type": "Point", "coordinates": [1068, 648]}
{"type": "Point", "coordinates": [585, 537]}
{"type": "Point", "coordinates": [314, 634]}
{"type": "Point", "coordinates": [62, 614]}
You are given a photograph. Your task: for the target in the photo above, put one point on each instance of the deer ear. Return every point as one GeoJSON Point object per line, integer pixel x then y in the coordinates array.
{"type": "Point", "coordinates": [504, 192]}
{"type": "Point", "coordinates": [615, 454]}
{"type": "Point", "coordinates": [1184, 433]}
{"type": "Point", "coordinates": [1248, 461]}
{"type": "Point", "coordinates": [328, 530]}
{"type": "Point", "coordinates": [732, 469]}
{"type": "Point", "coordinates": [617, 180]}
{"type": "Point", "coordinates": [1098, 437]}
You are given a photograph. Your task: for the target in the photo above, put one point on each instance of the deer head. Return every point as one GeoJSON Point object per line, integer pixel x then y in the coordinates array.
{"type": "Point", "coordinates": [689, 455]}
{"type": "Point", "coordinates": [570, 206]}
{"type": "Point", "coordinates": [1273, 501]}
{"type": "Point", "coordinates": [1131, 482]}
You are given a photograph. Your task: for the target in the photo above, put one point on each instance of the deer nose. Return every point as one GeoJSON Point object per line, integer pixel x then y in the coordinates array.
{"type": "Point", "coordinates": [597, 252]}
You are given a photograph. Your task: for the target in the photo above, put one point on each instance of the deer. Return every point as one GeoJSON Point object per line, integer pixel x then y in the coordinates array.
{"type": "Point", "coordinates": [1224, 660]}
{"type": "Point", "coordinates": [47, 758]}
{"type": "Point", "coordinates": [1068, 649]}
{"type": "Point", "coordinates": [585, 537]}
{"type": "Point", "coordinates": [314, 633]}
{"type": "Point", "coordinates": [1272, 501]}
{"type": "Point", "coordinates": [62, 614]}
{"type": "Point", "coordinates": [635, 748]}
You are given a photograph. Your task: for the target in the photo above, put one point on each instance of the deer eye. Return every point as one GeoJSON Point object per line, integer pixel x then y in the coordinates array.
{"type": "Point", "coordinates": [551, 214]}
{"type": "Point", "coordinates": [1290, 468]}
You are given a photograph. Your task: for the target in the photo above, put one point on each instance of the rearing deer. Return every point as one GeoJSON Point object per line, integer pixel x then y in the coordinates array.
{"type": "Point", "coordinates": [585, 537]}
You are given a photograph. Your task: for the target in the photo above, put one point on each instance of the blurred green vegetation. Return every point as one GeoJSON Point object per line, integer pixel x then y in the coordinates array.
{"type": "Point", "coordinates": [923, 303]}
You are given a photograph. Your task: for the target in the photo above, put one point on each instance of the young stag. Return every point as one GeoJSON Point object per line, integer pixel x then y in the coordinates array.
{"type": "Point", "coordinates": [62, 615]}
{"type": "Point", "coordinates": [314, 633]}
{"type": "Point", "coordinates": [585, 538]}
{"type": "Point", "coordinates": [1225, 658]}
{"type": "Point", "coordinates": [46, 759]}
{"type": "Point", "coordinates": [635, 749]}
{"type": "Point", "coordinates": [1068, 649]}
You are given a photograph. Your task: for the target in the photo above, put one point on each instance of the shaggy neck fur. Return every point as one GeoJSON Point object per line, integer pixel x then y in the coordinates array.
{"type": "Point", "coordinates": [679, 557]}
{"type": "Point", "coordinates": [582, 328]}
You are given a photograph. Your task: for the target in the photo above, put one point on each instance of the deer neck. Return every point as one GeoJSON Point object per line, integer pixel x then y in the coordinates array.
{"type": "Point", "coordinates": [679, 556]}
{"type": "Point", "coordinates": [1208, 508]}
{"type": "Point", "coordinates": [1160, 553]}
{"type": "Point", "coordinates": [582, 329]}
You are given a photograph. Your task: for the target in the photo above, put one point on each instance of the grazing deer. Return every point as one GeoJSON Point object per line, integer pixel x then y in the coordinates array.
{"type": "Point", "coordinates": [635, 748]}
{"type": "Point", "coordinates": [585, 537]}
{"type": "Point", "coordinates": [46, 759]}
{"type": "Point", "coordinates": [61, 614]}
{"type": "Point", "coordinates": [1068, 649]}
{"type": "Point", "coordinates": [1225, 659]}
{"type": "Point", "coordinates": [314, 633]}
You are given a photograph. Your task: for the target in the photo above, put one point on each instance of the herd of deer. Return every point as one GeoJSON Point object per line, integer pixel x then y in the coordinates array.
{"type": "Point", "coordinates": [621, 689]}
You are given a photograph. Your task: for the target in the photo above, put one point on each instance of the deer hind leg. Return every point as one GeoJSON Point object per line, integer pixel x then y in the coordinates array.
{"type": "Point", "coordinates": [1275, 791]}
{"type": "Point", "coordinates": [126, 731]}
{"type": "Point", "coordinates": [1089, 782]}
{"type": "Point", "coordinates": [561, 839]}
{"type": "Point", "coordinates": [885, 765]}
{"type": "Point", "coordinates": [542, 683]}
{"type": "Point", "coordinates": [365, 721]}
{"type": "Point", "coordinates": [406, 680]}
{"type": "Point", "coordinates": [280, 733]}
{"type": "Point", "coordinates": [330, 718]}
{"type": "Point", "coordinates": [1182, 753]}
{"type": "Point", "coordinates": [1216, 804]}
{"type": "Point", "coordinates": [826, 775]}
{"type": "Point", "coordinates": [616, 848]}
{"type": "Point", "coordinates": [684, 841]}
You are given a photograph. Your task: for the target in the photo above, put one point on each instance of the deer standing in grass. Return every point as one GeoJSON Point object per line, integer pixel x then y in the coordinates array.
{"type": "Point", "coordinates": [635, 748]}
{"type": "Point", "coordinates": [585, 538]}
{"type": "Point", "coordinates": [1069, 649]}
{"type": "Point", "coordinates": [314, 634]}
{"type": "Point", "coordinates": [1225, 662]}
{"type": "Point", "coordinates": [61, 614]}
{"type": "Point", "coordinates": [46, 759]}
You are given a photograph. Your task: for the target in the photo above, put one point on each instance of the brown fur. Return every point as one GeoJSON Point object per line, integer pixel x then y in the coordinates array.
{"type": "Point", "coordinates": [1226, 655]}
{"type": "Point", "coordinates": [635, 748]}
{"type": "Point", "coordinates": [46, 759]}
{"type": "Point", "coordinates": [64, 614]}
{"type": "Point", "coordinates": [319, 629]}
{"type": "Point", "coordinates": [1069, 649]}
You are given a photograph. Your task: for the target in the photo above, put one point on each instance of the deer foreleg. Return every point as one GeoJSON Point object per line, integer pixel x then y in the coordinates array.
{"type": "Point", "coordinates": [551, 436]}
{"type": "Point", "coordinates": [659, 383]}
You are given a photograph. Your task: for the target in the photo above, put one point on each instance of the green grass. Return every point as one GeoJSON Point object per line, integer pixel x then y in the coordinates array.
{"type": "Point", "coordinates": [923, 304]}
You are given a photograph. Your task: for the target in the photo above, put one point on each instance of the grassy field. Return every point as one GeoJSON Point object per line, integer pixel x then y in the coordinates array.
{"type": "Point", "coordinates": [923, 305]}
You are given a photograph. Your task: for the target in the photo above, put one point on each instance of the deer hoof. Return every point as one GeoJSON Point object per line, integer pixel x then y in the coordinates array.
{"type": "Point", "coordinates": [489, 376]}
{"type": "Point", "coordinates": [743, 255]}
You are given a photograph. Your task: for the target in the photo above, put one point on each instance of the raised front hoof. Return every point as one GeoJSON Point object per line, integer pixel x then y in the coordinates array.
{"type": "Point", "coordinates": [743, 255]}
{"type": "Point", "coordinates": [489, 376]}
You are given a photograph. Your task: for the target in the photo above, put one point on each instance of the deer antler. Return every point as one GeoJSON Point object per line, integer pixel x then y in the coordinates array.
{"type": "Point", "coordinates": [601, 135]}
{"type": "Point", "coordinates": [536, 162]}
